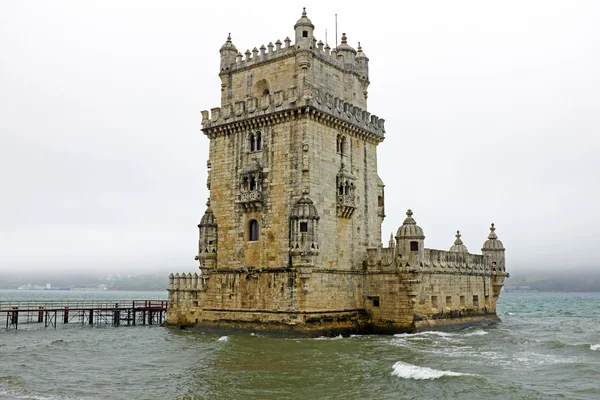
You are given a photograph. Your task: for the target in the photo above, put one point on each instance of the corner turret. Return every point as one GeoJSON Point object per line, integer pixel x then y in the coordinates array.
{"type": "Point", "coordinates": [346, 51]}
{"type": "Point", "coordinates": [362, 62]}
{"type": "Point", "coordinates": [228, 53]}
{"type": "Point", "coordinates": [207, 243]}
{"type": "Point", "coordinates": [410, 241]}
{"type": "Point", "coordinates": [493, 251]}
{"type": "Point", "coordinates": [304, 32]}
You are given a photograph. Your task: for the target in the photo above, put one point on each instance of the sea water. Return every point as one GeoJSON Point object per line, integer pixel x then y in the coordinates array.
{"type": "Point", "coordinates": [546, 347]}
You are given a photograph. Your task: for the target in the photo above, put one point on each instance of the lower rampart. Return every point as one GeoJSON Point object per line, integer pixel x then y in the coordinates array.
{"type": "Point", "coordinates": [331, 302]}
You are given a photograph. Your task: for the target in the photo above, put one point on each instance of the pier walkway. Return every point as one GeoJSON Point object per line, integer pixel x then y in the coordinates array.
{"type": "Point", "coordinates": [84, 312]}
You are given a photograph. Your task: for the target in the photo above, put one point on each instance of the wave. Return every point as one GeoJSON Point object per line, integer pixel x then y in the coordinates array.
{"type": "Point", "coordinates": [223, 339]}
{"type": "Point", "coordinates": [478, 332]}
{"type": "Point", "coordinates": [17, 394]}
{"type": "Point", "coordinates": [445, 335]}
{"type": "Point", "coordinates": [329, 338]}
{"type": "Point", "coordinates": [595, 347]}
{"type": "Point", "coordinates": [410, 371]}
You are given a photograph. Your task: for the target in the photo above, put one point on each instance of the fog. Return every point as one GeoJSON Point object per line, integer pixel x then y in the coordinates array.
{"type": "Point", "coordinates": [492, 115]}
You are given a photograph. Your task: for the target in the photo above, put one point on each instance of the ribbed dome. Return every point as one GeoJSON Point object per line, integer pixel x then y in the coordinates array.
{"type": "Point", "coordinates": [304, 21]}
{"type": "Point", "coordinates": [409, 228]}
{"type": "Point", "coordinates": [304, 208]}
{"type": "Point", "coordinates": [458, 246]}
{"type": "Point", "coordinates": [344, 46]}
{"type": "Point", "coordinates": [493, 243]}
{"type": "Point", "coordinates": [208, 219]}
{"type": "Point", "coordinates": [228, 46]}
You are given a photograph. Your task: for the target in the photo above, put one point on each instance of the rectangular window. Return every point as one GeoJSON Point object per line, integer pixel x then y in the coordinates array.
{"type": "Point", "coordinates": [476, 301]}
{"type": "Point", "coordinates": [462, 300]}
{"type": "Point", "coordinates": [434, 301]}
{"type": "Point", "coordinates": [448, 301]}
{"type": "Point", "coordinates": [414, 246]}
{"type": "Point", "coordinates": [374, 300]}
{"type": "Point", "coordinates": [380, 201]}
{"type": "Point", "coordinates": [303, 226]}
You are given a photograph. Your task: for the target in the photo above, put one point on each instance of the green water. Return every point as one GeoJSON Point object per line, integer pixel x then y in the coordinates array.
{"type": "Point", "coordinates": [547, 347]}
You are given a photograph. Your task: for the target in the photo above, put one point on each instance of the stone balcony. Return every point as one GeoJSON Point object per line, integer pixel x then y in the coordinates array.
{"type": "Point", "coordinates": [251, 200]}
{"type": "Point", "coordinates": [346, 204]}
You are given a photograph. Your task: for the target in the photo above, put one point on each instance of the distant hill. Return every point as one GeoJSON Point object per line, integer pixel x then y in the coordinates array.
{"type": "Point", "coordinates": [564, 281]}
{"type": "Point", "coordinates": [142, 282]}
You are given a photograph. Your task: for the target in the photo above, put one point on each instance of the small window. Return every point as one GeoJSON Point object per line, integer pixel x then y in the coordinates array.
{"type": "Point", "coordinates": [252, 143]}
{"type": "Point", "coordinates": [462, 300]}
{"type": "Point", "coordinates": [253, 230]}
{"type": "Point", "coordinates": [475, 301]}
{"type": "Point", "coordinates": [414, 246]}
{"type": "Point", "coordinates": [252, 184]}
{"type": "Point", "coordinates": [434, 301]}
{"type": "Point", "coordinates": [448, 301]}
{"type": "Point", "coordinates": [304, 33]}
{"type": "Point", "coordinates": [258, 141]}
{"type": "Point", "coordinates": [380, 201]}
{"type": "Point", "coordinates": [303, 226]}
{"type": "Point", "coordinates": [266, 92]}
{"type": "Point", "coordinates": [375, 300]}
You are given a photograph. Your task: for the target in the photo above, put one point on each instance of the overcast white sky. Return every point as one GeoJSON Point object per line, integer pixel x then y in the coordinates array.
{"type": "Point", "coordinates": [492, 115]}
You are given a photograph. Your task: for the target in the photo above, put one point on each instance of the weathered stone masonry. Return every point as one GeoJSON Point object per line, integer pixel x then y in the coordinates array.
{"type": "Point", "coordinates": [291, 237]}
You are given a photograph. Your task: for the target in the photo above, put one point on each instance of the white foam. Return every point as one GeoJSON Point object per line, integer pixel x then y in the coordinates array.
{"type": "Point", "coordinates": [595, 347]}
{"type": "Point", "coordinates": [223, 338]}
{"type": "Point", "coordinates": [329, 338]}
{"type": "Point", "coordinates": [409, 371]}
{"type": "Point", "coordinates": [478, 332]}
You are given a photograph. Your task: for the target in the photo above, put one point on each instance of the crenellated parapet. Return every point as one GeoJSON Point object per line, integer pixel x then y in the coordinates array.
{"type": "Point", "coordinates": [185, 290]}
{"type": "Point", "coordinates": [316, 102]}
{"type": "Point", "coordinates": [348, 62]}
{"type": "Point", "coordinates": [186, 282]}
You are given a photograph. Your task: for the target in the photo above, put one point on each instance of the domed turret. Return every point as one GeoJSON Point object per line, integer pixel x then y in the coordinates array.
{"type": "Point", "coordinates": [346, 50]}
{"type": "Point", "coordinates": [207, 242]}
{"type": "Point", "coordinates": [362, 61]}
{"type": "Point", "coordinates": [410, 240]}
{"type": "Point", "coordinates": [493, 251]}
{"type": "Point", "coordinates": [458, 246]}
{"type": "Point", "coordinates": [304, 31]}
{"type": "Point", "coordinates": [410, 229]}
{"type": "Point", "coordinates": [493, 243]}
{"type": "Point", "coordinates": [228, 53]}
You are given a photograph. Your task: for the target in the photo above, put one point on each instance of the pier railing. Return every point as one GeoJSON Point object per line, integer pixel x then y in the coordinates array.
{"type": "Point", "coordinates": [90, 312]}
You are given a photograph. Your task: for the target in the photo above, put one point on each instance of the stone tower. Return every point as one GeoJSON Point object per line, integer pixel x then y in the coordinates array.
{"type": "Point", "coordinates": [292, 168]}
{"type": "Point", "coordinates": [292, 130]}
{"type": "Point", "coordinates": [291, 236]}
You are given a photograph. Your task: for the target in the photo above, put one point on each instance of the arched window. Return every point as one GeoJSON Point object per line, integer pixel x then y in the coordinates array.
{"type": "Point", "coordinates": [253, 230]}
{"type": "Point", "coordinates": [341, 144]}
{"type": "Point", "coordinates": [252, 184]}
{"type": "Point", "coordinates": [251, 140]}
{"type": "Point", "coordinates": [258, 141]}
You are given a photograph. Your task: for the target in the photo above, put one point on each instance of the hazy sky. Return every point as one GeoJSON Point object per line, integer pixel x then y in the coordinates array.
{"type": "Point", "coordinates": [492, 115]}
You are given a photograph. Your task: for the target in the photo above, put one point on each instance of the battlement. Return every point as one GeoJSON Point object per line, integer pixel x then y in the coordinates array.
{"type": "Point", "coordinates": [335, 57]}
{"type": "Point", "coordinates": [187, 282]}
{"type": "Point", "coordinates": [433, 261]}
{"type": "Point", "coordinates": [291, 99]}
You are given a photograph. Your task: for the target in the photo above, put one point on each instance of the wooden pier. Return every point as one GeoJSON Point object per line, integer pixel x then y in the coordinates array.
{"type": "Point", "coordinates": [83, 312]}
